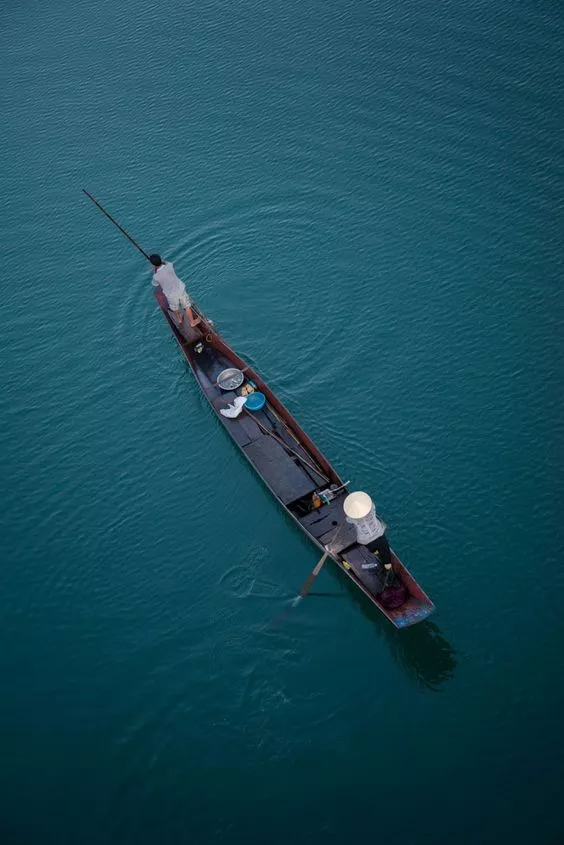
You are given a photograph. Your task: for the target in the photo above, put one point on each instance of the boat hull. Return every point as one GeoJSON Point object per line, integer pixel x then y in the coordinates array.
{"type": "Point", "coordinates": [287, 460]}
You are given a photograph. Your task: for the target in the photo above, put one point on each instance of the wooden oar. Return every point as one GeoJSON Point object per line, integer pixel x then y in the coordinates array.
{"type": "Point", "coordinates": [319, 565]}
{"type": "Point", "coordinates": [316, 570]}
{"type": "Point", "coordinates": [306, 587]}
{"type": "Point", "coordinates": [122, 230]}
{"type": "Point", "coordinates": [303, 592]}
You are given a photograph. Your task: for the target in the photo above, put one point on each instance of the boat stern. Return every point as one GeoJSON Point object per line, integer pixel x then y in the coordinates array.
{"type": "Point", "coordinates": [412, 612]}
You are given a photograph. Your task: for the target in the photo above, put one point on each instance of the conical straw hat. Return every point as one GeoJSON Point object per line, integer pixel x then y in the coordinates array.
{"type": "Point", "coordinates": [357, 505]}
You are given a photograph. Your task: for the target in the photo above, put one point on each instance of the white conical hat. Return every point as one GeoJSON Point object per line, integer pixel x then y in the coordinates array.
{"type": "Point", "coordinates": [357, 505]}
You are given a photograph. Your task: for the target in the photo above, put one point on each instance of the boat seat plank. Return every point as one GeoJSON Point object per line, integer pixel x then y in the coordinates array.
{"type": "Point", "coordinates": [269, 419]}
{"type": "Point", "coordinates": [223, 400]}
{"type": "Point", "coordinates": [281, 432]}
{"type": "Point", "coordinates": [190, 333]}
{"type": "Point", "coordinates": [283, 476]}
{"type": "Point", "coordinates": [204, 380]}
{"type": "Point", "coordinates": [242, 428]}
{"type": "Point", "coordinates": [345, 537]}
{"type": "Point", "coordinates": [325, 526]}
{"type": "Point", "coordinates": [368, 568]}
{"type": "Point", "coordinates": [236, 430]}
{"type": "Point", "coordinates": [334, 510]}
{"type": "Point", "coordinates": [263, 417]}
{"type": "Point", "coordinates": [250, 426]}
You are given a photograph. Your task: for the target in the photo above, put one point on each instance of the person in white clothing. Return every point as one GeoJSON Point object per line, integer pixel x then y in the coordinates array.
{"type": "Point", "coordinates": [173, 288]}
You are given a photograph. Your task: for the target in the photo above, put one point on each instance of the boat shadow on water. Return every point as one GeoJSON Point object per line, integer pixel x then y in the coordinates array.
{"type": "Point", "coordinates": [422, 650]}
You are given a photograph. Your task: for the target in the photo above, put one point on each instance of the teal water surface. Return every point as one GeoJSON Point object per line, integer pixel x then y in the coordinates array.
{"type": "Point", "coordinates": [368, 200]}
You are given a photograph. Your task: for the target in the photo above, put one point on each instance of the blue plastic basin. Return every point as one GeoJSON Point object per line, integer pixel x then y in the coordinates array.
{"type": "Point", "coordinates": [255, 401]}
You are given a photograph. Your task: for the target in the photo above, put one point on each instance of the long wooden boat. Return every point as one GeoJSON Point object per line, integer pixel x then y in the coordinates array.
{"type": "Point", "coordinates": [289, 463]}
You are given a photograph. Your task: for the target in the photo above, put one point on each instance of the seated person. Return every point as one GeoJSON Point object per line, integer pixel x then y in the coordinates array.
{"type": "Point", "coordinates": [394, 593]}
{"type": "Point", "coordinates": [372, 560]}
{"type": "Point", "coordinates": [379, 545]}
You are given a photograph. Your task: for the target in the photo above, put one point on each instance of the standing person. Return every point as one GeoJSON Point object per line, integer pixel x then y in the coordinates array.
{"type": "Point", "coordinates": [173, 288]}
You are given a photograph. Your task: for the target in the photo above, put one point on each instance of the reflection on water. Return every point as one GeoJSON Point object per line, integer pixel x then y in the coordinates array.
{"type": "Point", "coordinates": [422, 650]}
{"type": "Point", "coordinates": [425, 652]}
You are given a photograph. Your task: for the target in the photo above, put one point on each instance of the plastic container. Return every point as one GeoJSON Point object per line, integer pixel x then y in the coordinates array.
{"type": "Point", "coordinates": [255, 401]}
